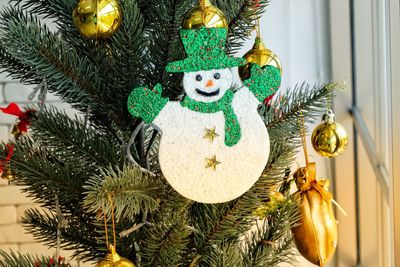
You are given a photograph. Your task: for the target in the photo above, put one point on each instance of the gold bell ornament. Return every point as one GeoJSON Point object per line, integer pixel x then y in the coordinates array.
{"type": "Point", "coordinates": [16, 132]}
{"type": "Point", "coordinates": [7, 173]}
{"type": "Point", "coordinates": [113, 260]}
{"type": "Point", "coordinates": [205, 15]}
{"type": "Point", "coordinates": [316, 235]}
{"type": "Point", "coordinates": [5, 164]}
{"type": "Point", "coordinates": [97, 18]}
{"type": "Point", "coordinates": [260, 55]}
{"type": "Point", "coordinates": [329, 138]}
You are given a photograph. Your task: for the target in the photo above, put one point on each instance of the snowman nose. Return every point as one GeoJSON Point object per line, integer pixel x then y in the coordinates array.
{"type": "Point", "coordinates": [209, 83]}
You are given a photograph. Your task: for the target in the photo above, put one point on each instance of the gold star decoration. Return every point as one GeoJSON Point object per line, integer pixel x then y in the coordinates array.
{"type": "Point", "coordinates": [210, 134]}
{"type": "Point", "coordinates": [212, 163]}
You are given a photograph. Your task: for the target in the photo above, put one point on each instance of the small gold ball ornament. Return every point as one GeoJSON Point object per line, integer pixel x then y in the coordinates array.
{"type": "Point", "coordinates": [205, 15]}
{"type": "Point", "coordinates": [97, 18]}
{"type": "Point", "coordinates": [260, 55]}
{"type": "Point", "coordinates": [114, 260]}
{"type": "Point", "coordinates": [329, 138]}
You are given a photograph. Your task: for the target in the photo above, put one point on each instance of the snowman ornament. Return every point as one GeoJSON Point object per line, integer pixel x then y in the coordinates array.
{"type": "Point", "coordinates": [214, 145]}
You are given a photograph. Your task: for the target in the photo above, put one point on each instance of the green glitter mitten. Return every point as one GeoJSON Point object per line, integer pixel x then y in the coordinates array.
{"type": "Point", "coordinates": [146, 103]}
{"type": "Point", "coordinates": [263, 82]}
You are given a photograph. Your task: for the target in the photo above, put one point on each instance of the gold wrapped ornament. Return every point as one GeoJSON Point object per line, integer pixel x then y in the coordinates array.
{"type": "Point", "coordinates": [205, 15]}
{"type": "Point", "coordinates": [260, 55]}
{"type": "Point", "coordinates": [329, 138]}
{"type": "Point", "coordinates": [114, 260]}
{"type": "Point", "coordinates": [97, 18]}
{"type": "Point", "coordinates": [316, 235]}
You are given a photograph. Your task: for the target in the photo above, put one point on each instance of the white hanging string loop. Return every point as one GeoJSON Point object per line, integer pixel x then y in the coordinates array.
{"type": "Point", "coordinates": [128, 149]}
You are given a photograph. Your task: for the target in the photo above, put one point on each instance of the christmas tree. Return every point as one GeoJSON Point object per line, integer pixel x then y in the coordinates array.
{"type": "Point", "coordinates": [106, 161]}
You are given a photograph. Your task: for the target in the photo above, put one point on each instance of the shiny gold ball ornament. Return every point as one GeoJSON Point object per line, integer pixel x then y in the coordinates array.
{"type": "Point", "coordinates": [205, 15]}
{"type": "Point", "coordinates": [114, 260]}
{"type": "Point", "coordinates": [260, 55]}
{"type": "Point", "coordinates": [316, 234]}
{"type": "Point", "coordinates": [329, 138]}
{"type": "Point", "coordinates": [97, 18]}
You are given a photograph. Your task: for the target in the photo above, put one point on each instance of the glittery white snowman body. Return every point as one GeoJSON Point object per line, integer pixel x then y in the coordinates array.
{"type": "Point", "coordinates": [193, 155]}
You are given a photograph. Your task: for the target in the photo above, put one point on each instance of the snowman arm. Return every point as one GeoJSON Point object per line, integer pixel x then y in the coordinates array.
{"type": "Point", "coordinates": [146, 103]}
{"type": "Point", "coordinates": [263, 82]}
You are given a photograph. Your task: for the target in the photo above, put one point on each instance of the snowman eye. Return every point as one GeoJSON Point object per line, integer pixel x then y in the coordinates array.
{"type": "Point", "coordinates": [217, 76]}
{"type": "Point", "coordinates": [199, 78]}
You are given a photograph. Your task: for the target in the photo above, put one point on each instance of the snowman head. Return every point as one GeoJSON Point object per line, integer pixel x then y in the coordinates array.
{"type": "Point", "coordinates": [207, 86]}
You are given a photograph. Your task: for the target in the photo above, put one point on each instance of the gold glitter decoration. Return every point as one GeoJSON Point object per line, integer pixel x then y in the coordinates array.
{"type": "Point", "coordinates": [212, 163]}
{"type": "Point", "coordinates": [210, 134]}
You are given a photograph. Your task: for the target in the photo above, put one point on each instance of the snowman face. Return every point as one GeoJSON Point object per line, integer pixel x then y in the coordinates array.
{"type": "Point", "coordinates": [207, 86]}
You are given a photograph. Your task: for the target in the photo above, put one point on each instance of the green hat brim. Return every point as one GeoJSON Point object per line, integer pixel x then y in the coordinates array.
{"type": "Point", "coordinates": [198, 64]}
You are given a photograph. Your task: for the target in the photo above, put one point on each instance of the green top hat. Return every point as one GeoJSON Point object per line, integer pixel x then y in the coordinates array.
{"type": "Point", "coordinates": [205, 48]}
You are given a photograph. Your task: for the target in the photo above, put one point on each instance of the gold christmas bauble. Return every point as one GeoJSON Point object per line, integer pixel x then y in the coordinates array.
{"type": "Point", "coordinates": [114, 260]}
{"type": "Point", "coordinates": [329, 138]}
{"type": "Point", "coordinates": [205, 15]}
{"type": "Point", "coordinates": [260, 55]}
{"type": "Point", "coordinates": [97, 18]}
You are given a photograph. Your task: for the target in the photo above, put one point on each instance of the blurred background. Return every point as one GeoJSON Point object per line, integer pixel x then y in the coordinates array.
{"type": "Point", "coordinates": [354, 41]}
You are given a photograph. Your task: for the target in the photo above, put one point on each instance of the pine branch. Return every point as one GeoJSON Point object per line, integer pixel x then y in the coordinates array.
{"type": "Point", "coordinates": [14, 259]}
{"type": "Point", "coordinates": [132, 193]}
{"type": "Point", "coordinates": [60, 13]}
{"type": "Point", "coordinates": [43, 175]}
{"type": "Point", "coordinates": [165, 243]}
{"type": "Point", "coordinates": [225, 254]}
{"type": "Point", "coordinates": [70, 76]}
{"type": "Point", "coordinates": [74, 143]}
{"type": "Point", "coordinates": [80, 235]}
{"type": "Point", "coordinates": [271, 244]}
{"type": "Point", "coordinates": [128, 59]}
{"type": "Point", "coordinates": [303, 101]}
{"type": "Point", "coordinates": [241, 16]}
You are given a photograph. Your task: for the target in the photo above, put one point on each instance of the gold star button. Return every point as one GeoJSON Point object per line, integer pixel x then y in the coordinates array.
{"type": "Point", "coordinates": [210, 134]}
{"type": "Point", "coordinates": [212, 163]}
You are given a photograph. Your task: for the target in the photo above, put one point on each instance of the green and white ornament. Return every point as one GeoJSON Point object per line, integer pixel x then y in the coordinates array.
{"type": "Point", "coordinates": [214, 144]}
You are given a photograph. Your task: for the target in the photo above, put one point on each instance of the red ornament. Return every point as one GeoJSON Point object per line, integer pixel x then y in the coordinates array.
{"type": "Point", "coordinates": [24, 118]}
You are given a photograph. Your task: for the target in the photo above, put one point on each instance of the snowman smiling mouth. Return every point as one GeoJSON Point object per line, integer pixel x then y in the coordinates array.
{"type": "Point", "coordinates": [207, 94]}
